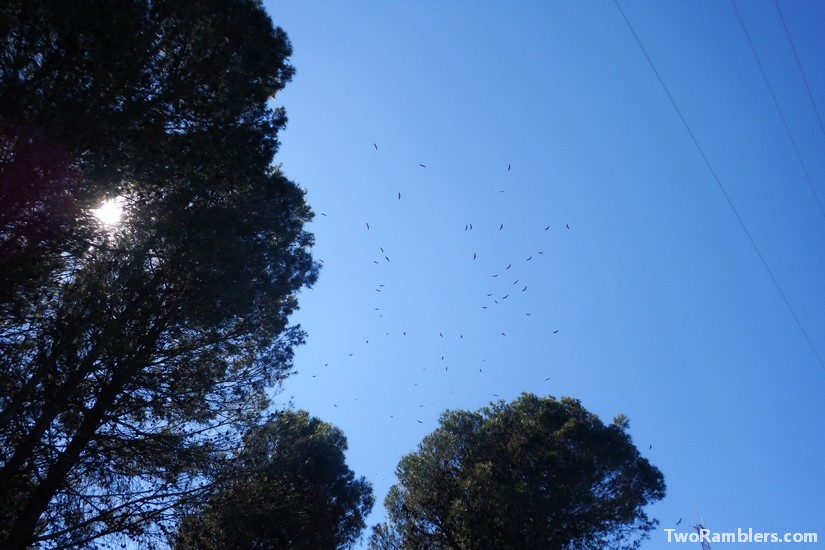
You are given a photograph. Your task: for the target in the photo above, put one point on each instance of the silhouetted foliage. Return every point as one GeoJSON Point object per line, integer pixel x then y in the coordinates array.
{"type": "Point", "coordinates": [533, 473]}
{"type": "Point", "coordinates": [131, 357]}
{"type": "Point", "coordinates": [289, 488]}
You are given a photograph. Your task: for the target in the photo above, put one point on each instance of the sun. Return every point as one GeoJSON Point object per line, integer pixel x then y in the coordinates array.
{"type": "Point", "coordinates": [109, 212]}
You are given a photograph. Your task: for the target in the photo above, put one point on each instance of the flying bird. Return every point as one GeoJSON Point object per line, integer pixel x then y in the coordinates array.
{"type": "Point", "coordinates": [495, 275]}
{"type": "Point", "coordinates": [386, 258]}
{"type": "Point", "coordinates": [515, 282]}
{"type": "Point", "coordinates": [567, 225]}
{"type": "Point", "coordinates": [556, 331]}
{"type": "Point", "coordinates": [368, 226]}
{"type": "Point", "coordinates": [501, 227]}
{"type": "Point", "coordinates": [376, 147]}
{"type": "Point", "coordinates": [678, 522]}
{"type": "Point", "coordinates": [508, 167]}
{"type": "Point", "coordinates": [421, 165]}
{"type": "Point", "coordinates": [420, 422]}
{"type": "Point", "coordinates": [509, 266]}
{"type": "Point", "coordinates": [546, 228]}
{"type": "Point", "coordinates": [323, 214]}
{"type": "Point", "coordinates": [651, 446]}
{"type": "Point", "coordinates": [399, 195]}
{"type": "Point", "coordinates": [474, 255]}
{"type": "Point", "coordinates": [525, 288]}
{"type": "Point", "coordinates": [546, 379]}
{"type": "Point", "coordinates": [528, 259]}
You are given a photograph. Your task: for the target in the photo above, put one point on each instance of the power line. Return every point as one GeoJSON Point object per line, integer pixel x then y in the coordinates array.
{"type": "Point", "coordinates": [799, 66]}
{"type": "Point", "coordinates": [721, 186]}
{"type": "Point", "coordinates": [779, 110]}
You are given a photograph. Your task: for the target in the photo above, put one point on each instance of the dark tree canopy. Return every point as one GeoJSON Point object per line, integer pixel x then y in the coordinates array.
{"type": "Point", "coordinates": [533, 473]}
{"type": "Point", "coordinates": [132, 357]}
{"type": "Point", "coordinates": [290, 488]}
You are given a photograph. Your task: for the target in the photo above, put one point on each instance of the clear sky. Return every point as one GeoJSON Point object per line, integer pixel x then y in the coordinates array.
{"type": "Point", "coordinates": [654, 303]}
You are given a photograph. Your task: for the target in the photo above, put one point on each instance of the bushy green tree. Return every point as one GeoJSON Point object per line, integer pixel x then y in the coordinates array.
{"type": "Point", "coordinates": [133, 356]}
{"type": "Point", "coordinates": [289, 487]}
{"type": "Point", "coordinates": [533, 473]}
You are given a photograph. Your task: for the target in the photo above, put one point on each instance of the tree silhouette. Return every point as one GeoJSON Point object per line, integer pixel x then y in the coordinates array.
{"type": "Point", "coordinates": [533, 473]}
{"type": "Point", "coordinates": [289, 488]}
{"type": "Point", "coordinates": [131, 357]}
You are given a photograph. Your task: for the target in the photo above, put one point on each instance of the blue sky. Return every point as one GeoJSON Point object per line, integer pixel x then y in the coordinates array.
{"type": "Point", "coordinates": [663, 308]}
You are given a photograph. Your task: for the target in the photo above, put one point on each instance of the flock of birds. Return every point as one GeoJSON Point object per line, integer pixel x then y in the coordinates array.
{"type": "Point", "coordinates": [505, 286]}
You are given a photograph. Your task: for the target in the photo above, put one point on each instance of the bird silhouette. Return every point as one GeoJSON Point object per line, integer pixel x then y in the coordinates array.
{"type": "Point", "coordinates": [567, 225]}
{"type": "Point", "coordinates": [474, 255]}
{"type": "Point", "coordinates": [546, 228]}
{"type": "Point", "coordinates": [556, 331]}
{"type": "Point", "coordinates": [421, 165]}
{"type": "Point", "coordinates": [376, 147]}
{"type": "Point", "coordinates": [368, 226]}
{"type": "Point", "coordinates": [501, 227]}
{"type": "Point", "coordinates": [678, 522]}
{"type": "Point", "coordinates": [399, 195]}
{"type": "Point", "coordinates": [509, 266]}
{"type": "Point", "coordinates": [508, 167]}
{"type": "Point", "coordinates": [420, 422]}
